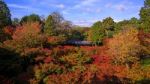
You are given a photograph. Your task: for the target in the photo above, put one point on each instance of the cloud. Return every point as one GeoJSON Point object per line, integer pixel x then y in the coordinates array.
{"type": "Point", "coordinates": [85, 3]}
{"type": "Point", "coordinates": [81, 12]}
{"type": "Point", "coordinates": [108, 5]}
{"type": "Point", "coordinates": [85, 23]}
{"type": "Point", "coordinates": [91, 10]}
{"type": "Point", "coordinates": [119, 7]}
{"type": "Point", "coordinates": [61, 6]}
{"type": "Point", "coordinates": [65, 12]}
{"type": "Point", "coordinates": [87, 6]}
{"type": "Point", "coordinates": [29, 8]}
{"type": "Point", "coordinates": [18, 6]}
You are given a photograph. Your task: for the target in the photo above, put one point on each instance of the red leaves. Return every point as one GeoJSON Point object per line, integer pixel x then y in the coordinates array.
{"type": "Point", "coordinates": [101, 59]}
{"type": "Point", "coordinates": [47, 60]}
{"type": "Point", "coordinates": [9, 30]}
{"type": "Point", "coordinates": [53, 40]}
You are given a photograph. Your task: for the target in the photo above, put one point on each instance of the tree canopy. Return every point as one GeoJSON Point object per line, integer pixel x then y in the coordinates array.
{"type": "Point", "coordinates": [5, 16]}
{"type": "Point", "coordinates": [145, 17]}
{"type": "Point", "coordinates": [30, 18]}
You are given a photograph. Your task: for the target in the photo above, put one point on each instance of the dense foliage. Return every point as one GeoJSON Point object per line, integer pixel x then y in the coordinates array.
{"type": "Point", "coordinates": [144, 14]}
{"type": "Point", "coordinates": [30, 18]}
{"type": "Point", "coordinates": [5, 16]}
{"type": "Point", "coordinates": [35, 51]}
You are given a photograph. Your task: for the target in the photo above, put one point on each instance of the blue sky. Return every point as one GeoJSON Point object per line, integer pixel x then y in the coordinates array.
{"type": "Point", "coordinates": [80, 12]}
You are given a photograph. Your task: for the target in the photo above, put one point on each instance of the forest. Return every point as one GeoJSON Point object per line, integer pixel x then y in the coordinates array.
{"type": "Point", "coordinates": [35, 50]}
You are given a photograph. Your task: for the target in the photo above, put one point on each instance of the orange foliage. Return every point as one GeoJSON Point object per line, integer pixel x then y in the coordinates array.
{"type": "Point", "coordinates": [26, 36]}
{"type": "Point", "coordinates": [53, 40]}
{"type": "Point", "coordinates": [125, 47]}
{"type": "Point", "coordinates": [9, 30]}
{"type": "Point", "coordinates": [26, 30]}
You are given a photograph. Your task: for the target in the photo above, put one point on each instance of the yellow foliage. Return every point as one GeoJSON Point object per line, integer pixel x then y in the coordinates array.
{"type": "Point", "coordinates": [125, 46]}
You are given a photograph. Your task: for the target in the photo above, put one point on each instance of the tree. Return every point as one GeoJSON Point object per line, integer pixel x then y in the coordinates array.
{"type": "Point", "coordinates": [145, 17]}
{"type": "Point", "coordinates": [5, 19]}
{"type": "Point", "coordinates": [31, 18]}
{"type": "Point", "coordinates": [26, 36]}
{"type": "Point", "coordinates": [49, 26]}
{"type": "Point", "coordinates": [125, 47]}
{"type": "Point", "coordinates": [97, 33]}
{"type": "Point", "coordinates": [5, 16]}
{"type": "Point", "coordinates": [134, 22]}
{"type": "Point", "coordinates": [58, 19]}
{"type": "Point", "coordinates": [55, 24]}
{"type": "Point", "coordinates": [108, 24]}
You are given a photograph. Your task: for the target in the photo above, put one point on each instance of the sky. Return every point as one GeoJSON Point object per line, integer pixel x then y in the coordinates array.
{"type": "Point", "coordinates": [79, 12]}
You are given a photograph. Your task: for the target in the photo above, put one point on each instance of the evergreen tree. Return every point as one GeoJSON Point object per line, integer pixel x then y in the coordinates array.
{"type": "Point", "coordinates": [145, 16]}
{"type": "Point", "coordinates": [97, 33]}
{"type": "Point", "coordinates": [5, 16]}
{"type": "Point", "coordinates": [108, 25]}
{"type": "Point", "coordinates": [49, 26]}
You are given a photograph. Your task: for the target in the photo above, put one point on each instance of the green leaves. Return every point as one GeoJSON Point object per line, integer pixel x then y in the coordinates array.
{"type": "Point", "coordinates": [5, 16]}
{"type": "Point", "coordinates": [145, 17]}
{"type": "Point", "coordinates": [30, 18]}
{"type": "Point", "coordinates": [100, 30]}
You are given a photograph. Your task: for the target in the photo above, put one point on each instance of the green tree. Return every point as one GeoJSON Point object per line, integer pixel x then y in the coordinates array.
{"type": "Point", "coordinates": [134, 21]}
{"type": "Point", "coordinates": [5, 16]}
{"type": "Point", "coordinates": [145, 17]}
{"type": "Point", "coordinates": [31, 18]}
{"type": "Point", "coordinates": [49, 26]}
{"type": "Point", "coordinates": [108, 24]}
{"type": "Point", "coordinates": [97, 33]}
{"type": "Point", "coordinates": [5, 19]}
{"type": "Point", "coordinates": [55, 25]}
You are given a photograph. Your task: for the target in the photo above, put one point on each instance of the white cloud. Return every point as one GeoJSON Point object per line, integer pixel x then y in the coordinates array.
{"type": "Point", "coordinates": [28, 8]}
{"type": "Point", "coordinates": [117, 20]}
{"type": "Point", "coordinates": [119, 7]}
{"type": "Point", "coordinates": [108, 5]}
{"type": "Point", "coordinates": [91, 10]}
{"type": "Point", "coordinates": [86, 3]}
{"type": "Point", "coordinates": [65, 12]}
{"type": "Point", "coordinates": [18, 6]}
{"type": "Point", "coordinates": [98, 10]}
{"type": "Point", "coordinates": [122, 6]}
{"type": "Point", "coordinates": [62, 6]}
{"type": "Point", "coordinates": [85, 23]}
